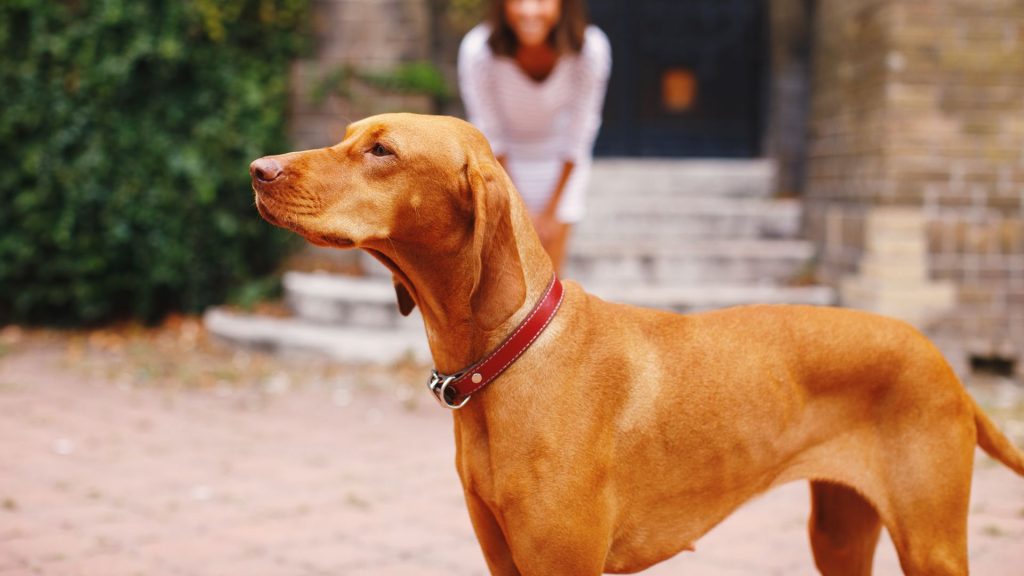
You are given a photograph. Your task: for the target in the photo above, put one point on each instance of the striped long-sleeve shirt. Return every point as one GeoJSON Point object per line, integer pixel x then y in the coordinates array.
{"type": "Point", "coordinates": [538, 126]}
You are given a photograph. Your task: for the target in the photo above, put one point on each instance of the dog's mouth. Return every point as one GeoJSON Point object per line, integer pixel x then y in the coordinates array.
{"type": "Point", "coordinates": [330, 241]}
{"type": "Point", "coordinates": [267, 214]}
{"type": "Point", "coordinates": [319, 238]}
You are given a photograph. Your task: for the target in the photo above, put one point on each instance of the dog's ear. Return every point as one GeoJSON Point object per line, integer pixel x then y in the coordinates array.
{"type": "Point", "coordinates": [499, 285]}
{"type": "Point", "coordinates": [405, 301]}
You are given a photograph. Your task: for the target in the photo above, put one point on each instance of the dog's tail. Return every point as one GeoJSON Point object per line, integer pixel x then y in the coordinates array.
{"type": "Point", "coordinates": [995, 443]}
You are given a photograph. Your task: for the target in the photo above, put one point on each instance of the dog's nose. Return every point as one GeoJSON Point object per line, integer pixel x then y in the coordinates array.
{"type": "Point", "coordinates": [265, 169]}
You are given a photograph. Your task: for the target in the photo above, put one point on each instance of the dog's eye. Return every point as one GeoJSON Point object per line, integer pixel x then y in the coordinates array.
{"type": "Point", "coordinates": [380, 150]}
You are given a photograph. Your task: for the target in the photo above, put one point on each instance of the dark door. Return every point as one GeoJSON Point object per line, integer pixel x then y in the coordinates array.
{"type": "Point", "coordinates": [687, 77]}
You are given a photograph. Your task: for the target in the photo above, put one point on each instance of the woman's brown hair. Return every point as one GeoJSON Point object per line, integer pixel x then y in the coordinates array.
{"type": "Point", "coordinates": [566, 36]}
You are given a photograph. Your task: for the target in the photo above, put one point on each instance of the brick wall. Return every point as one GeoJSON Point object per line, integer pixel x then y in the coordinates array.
{"type": "Point", "coordinates": [920, 103]}
{"type": "Point", "coordinates": [845, 165]}
{"type": "Point", "coordinates": [786, 130]}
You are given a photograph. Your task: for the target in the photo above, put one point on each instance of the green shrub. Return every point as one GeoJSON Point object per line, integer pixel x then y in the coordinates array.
{"type": "Point", "coordinates": [126, 130]}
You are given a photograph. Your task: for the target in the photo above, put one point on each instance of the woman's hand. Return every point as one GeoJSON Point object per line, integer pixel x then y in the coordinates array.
{"type": "Point", "coordinates": [553, 234]}
{"type": "Point", "coordinates": [546, 226]}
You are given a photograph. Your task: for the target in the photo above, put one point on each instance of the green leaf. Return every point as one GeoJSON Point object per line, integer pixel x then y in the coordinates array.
{"type": "Point", "coordinates": [128, 126]}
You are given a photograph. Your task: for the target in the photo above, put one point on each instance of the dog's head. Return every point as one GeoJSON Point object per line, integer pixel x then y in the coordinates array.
{"type": "Point", "coordinates": [363, 189]}
{"type": "Point", "coordinates": [400, 186]}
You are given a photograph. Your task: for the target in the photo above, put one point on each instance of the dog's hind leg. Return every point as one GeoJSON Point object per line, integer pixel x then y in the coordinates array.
{"type": "Point", "coordinates": [930, 529]}
{"type": "Point", "coordinates": [926, 470]}
{"type": "Point", "coordinates": [929, 517]}
{"type": "Point", "coordinates": [844, 530]}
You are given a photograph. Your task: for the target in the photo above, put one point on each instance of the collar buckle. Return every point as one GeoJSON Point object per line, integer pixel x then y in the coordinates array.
{"type": "Point", "coordinates": [440, 387]}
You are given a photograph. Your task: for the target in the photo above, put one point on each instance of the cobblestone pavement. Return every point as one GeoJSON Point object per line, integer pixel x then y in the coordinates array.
{"type": "Point", "coordinates": [103, 477]}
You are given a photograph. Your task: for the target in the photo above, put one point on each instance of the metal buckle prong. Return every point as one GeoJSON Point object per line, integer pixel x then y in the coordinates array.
{"type": "Point", "coordinates": [438, 385]}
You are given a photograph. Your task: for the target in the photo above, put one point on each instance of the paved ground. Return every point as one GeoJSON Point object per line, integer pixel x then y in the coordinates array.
{"type": "Point", "coordinates": [119, 458]}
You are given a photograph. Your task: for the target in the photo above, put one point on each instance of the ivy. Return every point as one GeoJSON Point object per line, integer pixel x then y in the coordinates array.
{"type": "Point", "coordinates": [419, 78]}
{"type": "Point", "coordinates": [127, 127]}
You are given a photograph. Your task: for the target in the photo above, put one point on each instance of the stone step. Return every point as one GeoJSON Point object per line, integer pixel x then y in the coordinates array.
{"type": "Point", "coordinates": [345, 343]}
{"type": "Point", "coordinates": [357, 301]}
{"type": "Point", "coordinates": [395, 343]}
{"type": "Point", "coordinates": [630, 220]}
{"type": "Point", "coordinates": [696, 263]}
{"type": "Point", "coordinates": [332, 293]}
{"type": "Point", "coordinates": [686, 299]}
{"type": "Point", "coordinates": [669, 178]}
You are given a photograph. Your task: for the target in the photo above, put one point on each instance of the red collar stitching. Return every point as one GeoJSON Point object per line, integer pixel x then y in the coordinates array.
{"type": "Point", "coordinates": [453, 391]}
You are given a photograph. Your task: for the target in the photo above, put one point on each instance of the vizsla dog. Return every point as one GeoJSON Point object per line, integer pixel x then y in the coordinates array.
{"type": "Point", "coordinates": [616, 436]}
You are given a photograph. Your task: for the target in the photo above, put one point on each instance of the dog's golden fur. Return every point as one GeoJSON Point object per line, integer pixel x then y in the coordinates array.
{"type": "Point", "coordinates": [624, 434]}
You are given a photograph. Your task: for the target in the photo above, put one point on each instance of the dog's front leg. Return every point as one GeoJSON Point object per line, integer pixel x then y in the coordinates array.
{"type": "Point", "coordinates": [553, 545]}
{"type": "Point", "coordinates": [557, 540]}
{"type": "Point", "coordinates": [491, 538]}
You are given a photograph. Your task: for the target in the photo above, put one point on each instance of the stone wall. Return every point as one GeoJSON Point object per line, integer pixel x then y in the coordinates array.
{"type": "Point", "coordinates": [370, 34]}
{"type": "Point", "coordinates": [919, 105]}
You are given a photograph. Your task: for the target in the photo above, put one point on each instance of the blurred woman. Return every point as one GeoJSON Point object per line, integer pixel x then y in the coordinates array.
{"type": "Point", "coordinates": [533, 80]}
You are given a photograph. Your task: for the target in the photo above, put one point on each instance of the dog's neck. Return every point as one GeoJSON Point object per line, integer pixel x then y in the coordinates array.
{"type": "Point", "coordinates": [460, 328]}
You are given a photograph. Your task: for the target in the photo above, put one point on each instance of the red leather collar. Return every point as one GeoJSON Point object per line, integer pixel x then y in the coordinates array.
{"type": "Point", "coordinates": [453, 391]}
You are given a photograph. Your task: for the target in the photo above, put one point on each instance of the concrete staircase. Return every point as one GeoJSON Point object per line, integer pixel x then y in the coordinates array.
{"type": "Point", "coordinates": [677, 235]}
{"type": "Point", "coordinates": [349, 318]}
{"type": "Point", "coordinates": [692, 235]}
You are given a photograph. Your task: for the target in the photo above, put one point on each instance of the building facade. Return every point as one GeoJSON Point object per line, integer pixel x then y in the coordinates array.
{"type": "Point", "coordinates": [899, 123]}
{"type": "Point", "coordinates": [915, 167]}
